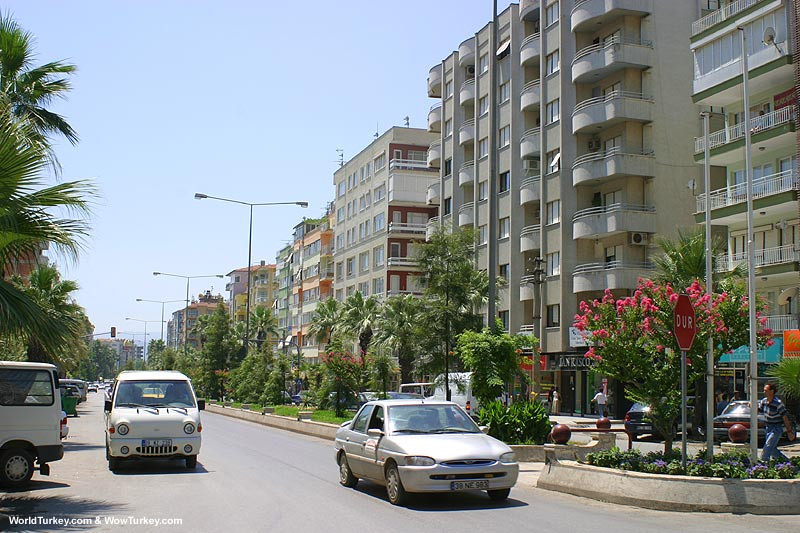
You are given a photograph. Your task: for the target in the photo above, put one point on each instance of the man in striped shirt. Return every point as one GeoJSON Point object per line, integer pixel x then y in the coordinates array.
{"type": "Point", "coordinates": [777, 418]}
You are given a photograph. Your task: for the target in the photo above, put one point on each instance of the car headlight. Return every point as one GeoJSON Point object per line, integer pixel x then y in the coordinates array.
{"type": "Point", "coordinates": [508, 457]}
{"type": "Point", "coordinates": [419, 460]}
{"type": "Point", "coordinates": [188, 428]}
{"type": "Point", "coordinates": [123, 429]}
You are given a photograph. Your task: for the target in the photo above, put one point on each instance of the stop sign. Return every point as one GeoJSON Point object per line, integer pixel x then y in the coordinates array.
{"type": "Point", "coordinates": [685, 326]}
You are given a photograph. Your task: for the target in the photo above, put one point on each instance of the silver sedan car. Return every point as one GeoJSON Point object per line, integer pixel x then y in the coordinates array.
{"type": "Point", "coordinates": [422, 446]}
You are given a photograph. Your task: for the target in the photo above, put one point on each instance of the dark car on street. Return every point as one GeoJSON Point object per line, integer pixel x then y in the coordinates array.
{"type": "Point", "coordinates": [638, 423]}
{"type": "Point", "coordinates": [738, 412]}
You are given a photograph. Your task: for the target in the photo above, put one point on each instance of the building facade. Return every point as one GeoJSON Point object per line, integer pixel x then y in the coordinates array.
{"type": "Point", "coordinates": [562, 140]}
{"type": "Point", "coordinates": [715, 42]}
{"type": "Point", "coordinates": [204, 305]}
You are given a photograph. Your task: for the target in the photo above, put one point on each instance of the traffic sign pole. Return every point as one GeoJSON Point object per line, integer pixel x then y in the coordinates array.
{"type": "Point", "coordinates": [683, 408]}
{"type": "Point", "coordinates": [685, 329]}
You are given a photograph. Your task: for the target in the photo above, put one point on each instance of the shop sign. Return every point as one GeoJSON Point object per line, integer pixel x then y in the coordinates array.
{"type": "Point", "coordinates": [725, 372]}
{"type": "Point", "coordinates": [578, 338]}
{"type": "Point", "coordinates": [575, 362]}
{"type": "Point", "coordinates": [784, 99]}
{"type": "Point", "coordinates": [791, 343]}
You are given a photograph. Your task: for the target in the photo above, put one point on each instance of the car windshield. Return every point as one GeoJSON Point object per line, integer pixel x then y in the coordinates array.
{"type": "Point", "coordinates": [430, 419]}
{"type": "Point", "coordinates": [737, 409]}
{"type": "Point", "coordinates": [165, 393]}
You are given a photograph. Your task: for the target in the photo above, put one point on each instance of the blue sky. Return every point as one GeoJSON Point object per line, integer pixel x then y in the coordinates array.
{"type": "Point", "coordinates": [240, 99]}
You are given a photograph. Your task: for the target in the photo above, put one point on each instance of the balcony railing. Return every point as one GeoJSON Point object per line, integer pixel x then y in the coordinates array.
{"type": "Point", "coordinates": [737, 193]}
{"type": "Point", "coordinates": [613, 95]}
{"type": "Point", "coordinates": [604, 154]}
{"type": "Point", "coordinates": [613, 208]}
{"type": "Point", "coordinates": [402, 262]}
{"type": "Point", "coordinates": [608, 43]}
{"type": "Point", "coordinates": [780, 323]}
{"type": "Point", "coordinates": [724, 13]}
{"type": "Point", "coordinates": [407, 227]}
{"type": "Point", "coordinates": [612, 265]}
{"type": "Point", "coordinates": [757, 125]}
{"type": "Point", "coordinates": [777, 255]}
{"type": "Point", "coordinates": [408, 164]}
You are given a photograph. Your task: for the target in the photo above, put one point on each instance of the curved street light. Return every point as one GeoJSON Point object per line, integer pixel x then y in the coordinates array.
{"type": "Point", "coordinates": [145, 322]}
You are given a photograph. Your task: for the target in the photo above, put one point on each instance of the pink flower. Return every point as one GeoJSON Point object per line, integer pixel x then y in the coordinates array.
{"type": "Point", "coordinates": [660, 347]}
{"type": "Point", "coordinates": [770, 343]}
{"type": "Point", "coordinates": [673, 298]}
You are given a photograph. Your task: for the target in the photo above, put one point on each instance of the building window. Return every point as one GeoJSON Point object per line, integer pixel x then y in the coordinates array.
{"type": "Point", "coordinates": [483, 64]}
{"type": "Point", "coordinates": [551, 15]}
{"type": "Point", "coordinates": [377, 256]}
{"type": "Point", "coordinates": [554, 264]}
{"type": "Point", "coordinates": [483, 147]}
{"type": "Point", "coordinates": [552, 111]}
{"type": "Point", "coordinates": [505, 92]}
{"type": "Point", "coordinates": [341, 189]}
{"type": "Point", "coordinates": [378, 222]}
{"type": "Point", "coordinates": [482, 234]}
{"type": "Point", "coordinates": [483, 190]}
{"type": "Point", "coordinates": [552, 63]}
{"type": "Point", "coordinates": [339, 242]}
{"type": "Point", "coordinates": [554, 212]}
{"type": "Point", "coordinates": [504, 228]}
{"type": "Point", "coordinates": [448, 89]}
{"type": "Point", "coordinates": [504, 181]}
{"type": "Point", "coordinates": [448, 127]}
{"type": "Point", "coordinates": [447, 208]}
{"type": "Point", "coordinates": [553, 316]}
{"type": "Point", "coordinates": [379, 162]}
{"type": "Point", "coordinates": [351, 266]}
{"type": "Point", "coordinates": [553, 161]}
{"type": "Point", "coordinates": [448, 166]}
{"type": "Point", "coordinates": [340, 214]}
{"type": "Point", "coordinates": [503, 316]}
{"type": "Point", "coordinates": [504, 271]}
{"type": "Point", "coordinates": [504, 137]}
{"type": "Point", "coordinates": [339, 270]}
{"type": "Point", "coordinates": [483, 105]}
{"type": "Point", "coordinates": [363, 261]}
{"type": "Point", "coordinates": [377, 286]}
{"type": "Point", "coordinates": [380, 193]}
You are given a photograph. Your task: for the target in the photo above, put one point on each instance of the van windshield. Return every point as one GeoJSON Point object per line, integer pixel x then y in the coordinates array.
{"type": "Point", "coordinates": [160, 393]}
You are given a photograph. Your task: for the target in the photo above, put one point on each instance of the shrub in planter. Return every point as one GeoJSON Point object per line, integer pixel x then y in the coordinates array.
{"type": "Point", "coordinates": [522, 422]}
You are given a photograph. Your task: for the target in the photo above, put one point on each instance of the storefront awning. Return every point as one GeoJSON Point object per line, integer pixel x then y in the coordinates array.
{"type": "Point", "coordinates": [741, 354]}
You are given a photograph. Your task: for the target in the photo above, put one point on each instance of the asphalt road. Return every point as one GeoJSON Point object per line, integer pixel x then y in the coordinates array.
{"type": "Point", "coordinates": [254, 478]}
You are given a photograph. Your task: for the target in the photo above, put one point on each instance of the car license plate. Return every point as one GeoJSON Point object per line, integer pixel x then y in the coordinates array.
{"type": "Point", "coordinates": [469, 485]}
{"type": "Point", "coordinates": [160, 443]}
{"type": "Point", "coordinates": [647, 428]}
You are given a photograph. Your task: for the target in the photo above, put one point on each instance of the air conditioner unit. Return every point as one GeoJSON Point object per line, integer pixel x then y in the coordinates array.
{"type": "Point", "coordinates": [471, 70]}
{"type": "Point", "coordinates": [530, 165]}
{"type": "Point", "coordinates": [594, 144]}
{"type": "Point", "coordinates": [638, 239]}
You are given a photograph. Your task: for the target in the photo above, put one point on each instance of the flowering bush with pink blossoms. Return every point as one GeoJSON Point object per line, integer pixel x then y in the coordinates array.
{"type": "Point", "coordinates": [633, 342]}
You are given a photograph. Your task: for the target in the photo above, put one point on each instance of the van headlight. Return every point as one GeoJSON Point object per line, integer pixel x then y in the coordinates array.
{"type": "Point", "coordinates": [508, 457]}
{"type": "Point", "coordinates": [188, 428]}
{"type": "Point", "coordinates": [123, 429]}
{"type": "Point", "coordinates": [419, 460]}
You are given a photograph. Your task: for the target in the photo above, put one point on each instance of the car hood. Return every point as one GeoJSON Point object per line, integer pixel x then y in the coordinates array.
{"type": "Point", "coordinates": [164, 421]}
{"type": "Point", "coordinates": [447, 447]}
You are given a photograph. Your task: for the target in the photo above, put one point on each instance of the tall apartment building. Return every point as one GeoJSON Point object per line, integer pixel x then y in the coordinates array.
{"type": "Point", "coordinates": [237, 293]}
{"type": "Point", "coordinates": [311, 264]}
{"type": "Point", "coordinates": [770, 28]}
{"type": "Point", "coordinates": [283, 273]}
{"type": "Point", "coordinates": [263, 289]}
{"type": "Point", "coordinates": [205, 304]}
{"type": "Point", "coordinates": [564, 137]}
{"type": "Point", "coordinates": [381, 211]}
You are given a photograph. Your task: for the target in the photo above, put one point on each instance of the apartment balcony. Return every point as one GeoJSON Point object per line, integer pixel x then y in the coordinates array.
{"type": "Point", "coordinates": [466, 133]}
{"type": "Point", "coordinates": [435, 118]}
{"type": "Point", "coordinates": [435, 154]}
{"type": "Point", "coordinates": [530, 50]}
{"type": "Point", "coordinates": [466, 52]}
{"type": "Point", "coordinates": [406, 229]}
{"type": "Point", "coordinates": [603, 59]}
{"type": "Point", "coordinates": [530, 238]}
{"type": "Point", "coordinates": [435, 81]}
{"type": "Point", "coordinates": [526, 288]}
{"type": "Point", "coordinates": [597, 277]}
{"type": "Point", "coordinates": [466, 214]}
{"type": "Point", "coordinates": [768, 192]}
{"type": "Point", "coordinates": [529, 9]}
{"type": "Point", "coordinates": [402, 262]}
{"type": "Point", "coordinates": [531, 96]}
{"type": "Point", "coordinates": [778, 255]}
{"type": "Point", "coordinates": [726, 12]}
{"type": "Point", "coordinates": [466, 174]}
{"type": "Point", "coordinates": [398, 292]}
{"type": "Point", "coordinates": [780, 323]}
{"type": "Point", "coordinates": [530, 190]}
{"type": "Point", "coordinates": [530, 144]}
{"type": "Point", "coordinates": [595, 167]}
{"type": "Point", "coordinates": [467, 93]}
{"type": "Point", "coordinates": [407, 164]}
{"type": "Point", "coordinates": [771, 131]}
{"type": "Point", "coordinates": [430, 227]}
{"type": "Point", "coordinates": [597, 222]}
{"type": "Point", "coordinates": [617, 106]}
{"type": "Point", "coordinates": [432, 196]}
{"type": "Point", "coordinates": [589, 13]}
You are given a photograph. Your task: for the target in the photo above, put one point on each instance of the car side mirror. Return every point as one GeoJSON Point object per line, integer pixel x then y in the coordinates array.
{"type": "Point", "coordinates": [374, 432]}
{"type": "Point", "coordinates": [201, 405]}
{"type": "Point", "coordinates": [484, 429]}
{"type": "Point", "coordinates": [107, 406]}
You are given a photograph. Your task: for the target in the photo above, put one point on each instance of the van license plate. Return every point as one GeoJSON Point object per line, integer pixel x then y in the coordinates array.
{"type": "Point", "coordinates": [469, 485]}
{"type": "Point", "coordinates": [160, 443]}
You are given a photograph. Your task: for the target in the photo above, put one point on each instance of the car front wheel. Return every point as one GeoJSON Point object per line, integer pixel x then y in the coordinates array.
{"type": "Point", "coordinates": [346, 477]}
{"type": "Point", "coordinates": [16, 467]}
{"type": "Point", "coordinates": [394, 486]}
{"type": "Point", "coordinates": [499, 495]}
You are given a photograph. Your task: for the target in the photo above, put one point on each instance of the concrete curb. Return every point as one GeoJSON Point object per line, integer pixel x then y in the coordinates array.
{"type": "Point", "coordinates": [306, 427]}
{"type": "Point", "coordinates": [536, 453]}
{"type": "Point", "coordinates": [672, 493]}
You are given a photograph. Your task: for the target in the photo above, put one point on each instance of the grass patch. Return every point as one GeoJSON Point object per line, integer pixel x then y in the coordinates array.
{"type": "Point", "coordinates": [318, 415]}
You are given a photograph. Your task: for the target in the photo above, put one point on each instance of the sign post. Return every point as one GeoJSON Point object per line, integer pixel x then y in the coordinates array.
{"type": "Point", "coordinates": [685, 329]}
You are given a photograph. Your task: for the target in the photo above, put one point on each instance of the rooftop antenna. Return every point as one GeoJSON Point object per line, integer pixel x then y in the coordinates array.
{"type": "Point", "coordinates": [377, 128]}
{"type": "Point", "coordinates": [407, 121]}
{"type": "Point", "coordinates": [340, 151]}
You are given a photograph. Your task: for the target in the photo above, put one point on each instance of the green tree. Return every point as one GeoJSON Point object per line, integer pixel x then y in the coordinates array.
{"type": "Point", "coordinates": [787, 374]}
{"type": "Point", "coordinates": [359, 316]}
{"type": "Point", "coordinates": [217, 351]}
{"type": "Point", "coordinates": [101, 362]}
{"type": "Point", "coordinates": [684, 260]}
{"type": "Point", "coordinates": [276, 384]}
{"type": "Point", "coordinates": [341, 376]}
{"type": "Point", "coordinates": [265, 326]}
{"type": "Point", "coordinates": [248, 380]}
{"type": "Point", "coordinates": [399, 329]}
{"type": "Point", "coordinates": [381, 367]}
{"type": "Point", "coordinates": [326, 320]}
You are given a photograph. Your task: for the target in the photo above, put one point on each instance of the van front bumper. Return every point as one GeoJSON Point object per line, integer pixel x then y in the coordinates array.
{"type": "Point", "coordinates": [135, 448]}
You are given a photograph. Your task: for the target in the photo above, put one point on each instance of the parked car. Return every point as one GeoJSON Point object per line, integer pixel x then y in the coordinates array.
{"type": "Point", "coordinates": [638, 423]}
{"type": "Point", "coordinates": [92, 388]}
{"type": "Point", "coordinates": [422, 446]}
{"type": "Point", "coordinates": [153, 414]}
{"type": "Point", "coordinates": [64, 426]}
{"type": "Point", "coordinates": [738, 412]}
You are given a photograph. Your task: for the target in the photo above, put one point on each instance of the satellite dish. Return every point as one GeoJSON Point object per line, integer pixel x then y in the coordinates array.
{"type": "Point", "coordinates": [769, 35]}
{"type": "Point", "coordinates": [782, 224]}
{"type": "Point", "coordinates": [785, 296]}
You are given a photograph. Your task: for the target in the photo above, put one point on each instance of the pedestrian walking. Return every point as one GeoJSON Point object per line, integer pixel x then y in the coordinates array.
{"type": "Point", "coordinates": [555, 402]}
{"type": "Point", "coordinates": [777, 419]}
{"type": "Point", "coordinates": [722, 403]}
{"type": "Point", "coordinates": [600, 399]}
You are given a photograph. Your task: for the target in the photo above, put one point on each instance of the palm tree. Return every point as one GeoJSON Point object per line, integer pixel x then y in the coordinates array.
{"type": "Point", "coordinates": [398, 329]}
{"type": "Point", "coordinates": [360, 316]}
{"type": "Point", "coordinates": [29, 220]}
{"type": "Point", "coordinates": [26, 90]}
{"type": "Point", "coordinates": [327, 319]}
{"type": "Point", "coordinates": [264, 324]}
{"type": "Point", "coordinates": [787, 373]}
{"type": "Point", "coordinates": [684, 260]}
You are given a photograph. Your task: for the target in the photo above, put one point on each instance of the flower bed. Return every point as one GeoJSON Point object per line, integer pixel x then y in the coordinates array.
{"type": "Point", "coordinates": [729, 465]}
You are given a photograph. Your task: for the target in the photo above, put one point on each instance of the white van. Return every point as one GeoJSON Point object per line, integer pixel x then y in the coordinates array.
{"type": "Point", "coordinates": [423, 389]}
{"type": "Point", "coordinates": [460, 391]}
{"type": "Point", "coordinates": [30, 420]}
{"type": "Point", "coordinates": [153, 414]}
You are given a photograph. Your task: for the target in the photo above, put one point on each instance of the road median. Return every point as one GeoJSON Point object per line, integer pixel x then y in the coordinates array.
{"type": "Point", "coordinates": [306, 427]}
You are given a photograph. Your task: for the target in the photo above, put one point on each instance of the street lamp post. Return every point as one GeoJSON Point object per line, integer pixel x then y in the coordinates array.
{"type": "Point", "coordinates": [201, 196]}
{"type": "Point", "coordinates": [186, 311]}
{"type": "Point", "coordinates": [162, 302]}
{"type": "Point", "coordinates": [145, 322]}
